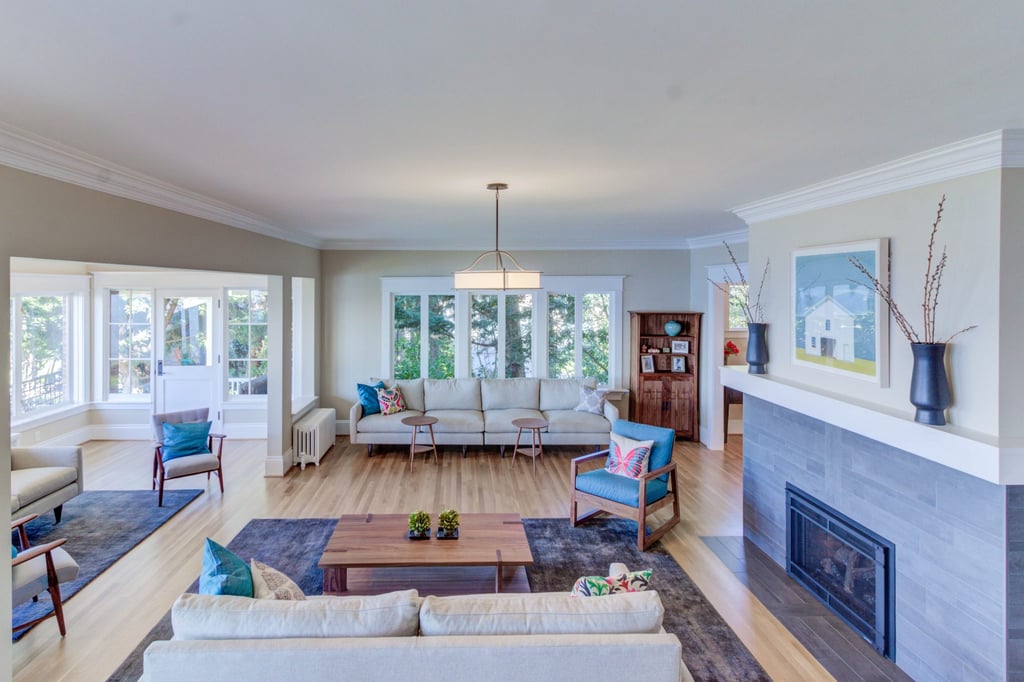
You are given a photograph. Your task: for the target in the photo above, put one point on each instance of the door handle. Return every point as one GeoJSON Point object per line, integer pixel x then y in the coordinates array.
{"type": "Point", "coordinates": [159, 368]}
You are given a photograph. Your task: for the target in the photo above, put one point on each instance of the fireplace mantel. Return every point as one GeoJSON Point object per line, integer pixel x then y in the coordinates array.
{"type": "Point", "coordinates": [960, 449]}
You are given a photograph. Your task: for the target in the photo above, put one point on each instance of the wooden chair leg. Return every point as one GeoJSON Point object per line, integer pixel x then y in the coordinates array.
{"type": "Point", "coordinates": [160, 485]}
{"type": "Point", "coordinates": [58, 608]}
{"type": "Point", "coordinates": [57, 511]}
{"type": "Point", "coordinates": [220, 477]}
{"type": "Point", "coordinates": [573, 509]}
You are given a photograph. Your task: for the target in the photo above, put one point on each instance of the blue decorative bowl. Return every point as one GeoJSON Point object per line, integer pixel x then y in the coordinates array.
{"type": "Point", "coordinates": [672, 328]}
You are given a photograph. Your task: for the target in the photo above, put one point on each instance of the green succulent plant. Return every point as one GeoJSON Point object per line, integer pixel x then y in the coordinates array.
{"type": "Point", "coordinates": [448, 520]}
{"type": "Point", "coordinates": [419, 522]}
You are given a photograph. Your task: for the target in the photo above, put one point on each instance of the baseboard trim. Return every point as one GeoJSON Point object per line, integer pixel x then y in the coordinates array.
{"type": "Point", "coordinates": [275, 466]}
{"type": "Point", "coordinates": [341, 427]}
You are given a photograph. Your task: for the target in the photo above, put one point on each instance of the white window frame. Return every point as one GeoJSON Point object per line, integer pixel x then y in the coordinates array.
{"type": "Point", "coordinates": [102, 338]}
{"type": "Point", "coordinates": [560, 284]}
{"type": "Point", "coordinates": [222, 351]}
{"type": "Point", "coordinates": [76, 289]}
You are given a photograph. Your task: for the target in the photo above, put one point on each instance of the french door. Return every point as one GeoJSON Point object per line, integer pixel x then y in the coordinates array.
{"type": "Point", "coordinates": [188, 374]}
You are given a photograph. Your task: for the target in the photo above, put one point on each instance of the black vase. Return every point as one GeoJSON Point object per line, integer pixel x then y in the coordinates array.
{"type": "Point", "coordinates": [929, 388]}
{"type": "Point", "coordinates": [757, 348]}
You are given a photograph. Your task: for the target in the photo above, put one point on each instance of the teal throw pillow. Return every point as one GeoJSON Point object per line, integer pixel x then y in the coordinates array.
{"type": "Point", "coordinates": [182, 440]}
{"type": "Point", "coordinates": [368, 398]}
{"type": "Point", "coordinates": [14, 551]}
{"type": "Point", "coordinates": [224, 572]}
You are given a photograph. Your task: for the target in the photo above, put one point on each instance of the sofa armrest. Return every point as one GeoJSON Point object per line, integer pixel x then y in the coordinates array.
{"type": "Point", "coordinates": [48, 456]}
{"type": "Point", "coordinates": [354, 415]}
{"type": "Point", "coordinates": [611, 413]}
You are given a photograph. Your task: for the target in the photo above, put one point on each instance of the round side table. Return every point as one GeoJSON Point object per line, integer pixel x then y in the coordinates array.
{"type": "Point", "coordinates": [534, 425]}
{"type": "Point", "coordinates": [416, 423]}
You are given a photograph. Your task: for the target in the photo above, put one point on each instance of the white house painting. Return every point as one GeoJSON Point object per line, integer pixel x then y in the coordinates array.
{"type": "Point", "coordinates": [839, 324]}
{"type": "Point", "coordinates": [829, 330]}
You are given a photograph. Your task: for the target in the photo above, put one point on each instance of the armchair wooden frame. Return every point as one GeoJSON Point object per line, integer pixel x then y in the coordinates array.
{"type": "Point", "coordinates": [638, 513]}
{"type": "Point", "coordinates": [160, 475]}
{"type": "Point", "coordinates": [52, 584]}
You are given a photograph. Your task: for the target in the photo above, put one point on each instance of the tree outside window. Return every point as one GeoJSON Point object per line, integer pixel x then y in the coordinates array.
{"type": "Point", "coordinates": [40, 364]}
{"type": "Point", "coordinates": [129, 359]}
{"type": "Point", "coordinates": [247, 342]}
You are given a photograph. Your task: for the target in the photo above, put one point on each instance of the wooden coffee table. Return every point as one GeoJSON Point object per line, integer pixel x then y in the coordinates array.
{"type": "Point", "coordinates": [371, 554]}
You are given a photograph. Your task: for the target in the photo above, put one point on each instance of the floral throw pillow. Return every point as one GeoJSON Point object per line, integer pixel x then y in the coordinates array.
{"type": "Point", "coordinates": [590, 401]}
{"type": "Point", "coordinates": [270, 583]}
{"type": "Point", "coordinates": [390, 400]}
{"type": "Point", "coordinates": [628, 457]}
{"type": "Point", "coordinates": [598, 585]}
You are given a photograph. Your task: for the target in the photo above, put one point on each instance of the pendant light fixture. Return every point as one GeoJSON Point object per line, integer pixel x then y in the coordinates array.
{"type": "Point", "coordinates": [501, 277]}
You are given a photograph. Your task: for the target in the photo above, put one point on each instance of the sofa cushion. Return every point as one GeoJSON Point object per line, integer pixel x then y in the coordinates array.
{"type": "Point", "coordinates": [29, 579]}
{"type": "Point", "coordinates": [506, 394]}
{"type": "Point", "coordinates": [628, 457]}
{"type": "Point", "coordinates": [196, 616]}
{"type": "Point", "coordinates": [390, 400]}
{"type": "Point", "coordinates": [619, 488]}
{"type": "Point", "coordinates": [368, 397]}
{"type": "Point", "coordinates": [457, 421]}
{"type": "Point", "coordinates": [193, 464]}
{"type": "Point", "coordinates": [270, 583]}
{"type": "Point", "coordinates": [224, 572]}
{"type": "Point", "coordinates": [451, 394]}
{"type": "Point", "coordinates": [562, 394]}
{"type": "Point", "coordinates": [591, 400]}
{"type": "Point", "coordinates": [570, 421]}
{"type": "Point", "coordinates": [603, 585]}
{"type": "Point", "coordinates": [500, 421]}
{"type": "Point", "coordinates": [387, 423]}
{"type": "Point", "coordinates": [29, 485]}
{"type": "Point", "coordinates": [412, 392]}
{"type": "Point", "coordinates": [550, 613]}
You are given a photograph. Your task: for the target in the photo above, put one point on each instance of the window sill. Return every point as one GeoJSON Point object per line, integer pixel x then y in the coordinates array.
{"type": "Point", "coordinates": [49, 416]}
{"type": "Point", "coordinates": [301, 405]}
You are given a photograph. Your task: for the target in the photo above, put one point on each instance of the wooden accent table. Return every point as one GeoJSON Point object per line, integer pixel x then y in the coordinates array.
{"type": "Point", "coordinates": [416, 423]}
{"type": "Point", "coordinates": [534, 426]}
{"type": "Point", "coordinates": [492, 543]}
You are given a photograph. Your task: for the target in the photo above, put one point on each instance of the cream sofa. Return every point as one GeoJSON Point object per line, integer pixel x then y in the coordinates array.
{"type": "Point", "coordinates": [480, 412]}
{"type": "Point", "coordinates": [44, 478]}
{"type": "Point", "coordinates": [400, 636]}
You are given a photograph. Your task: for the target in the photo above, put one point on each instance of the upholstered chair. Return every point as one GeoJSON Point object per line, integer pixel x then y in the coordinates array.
{"type": "Point", "coordinates": [35, 570]}
{"type": "Point", "coordinates": [200, 460]}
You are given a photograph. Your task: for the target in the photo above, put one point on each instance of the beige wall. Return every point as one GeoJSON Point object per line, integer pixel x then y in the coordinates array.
{"type": "Point", "coordinates": [43, 218]}
{"type": "Point", "coordinates": [655, 280]}
{"type": "Point", "coordinates": [1011, 312]}
{"type": "Point", "coordinates": [970, 288]}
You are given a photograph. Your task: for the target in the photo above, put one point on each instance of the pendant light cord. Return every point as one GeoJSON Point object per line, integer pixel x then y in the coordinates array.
{"type": "Point", "coordinates": [497, 251]}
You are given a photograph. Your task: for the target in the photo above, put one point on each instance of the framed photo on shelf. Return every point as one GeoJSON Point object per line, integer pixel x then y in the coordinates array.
{"type": "Point", "coordinates": [679, 363]}
{"type": "Point", "coordinates": [839, 324]}
{"type": "Point", "coordinates": [680, 346]}
{"type": "Point", "coordinates": [646, 363]}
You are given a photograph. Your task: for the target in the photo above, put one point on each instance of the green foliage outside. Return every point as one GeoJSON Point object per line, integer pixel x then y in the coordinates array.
{"type": "Point", "coordinates": [42, 350]}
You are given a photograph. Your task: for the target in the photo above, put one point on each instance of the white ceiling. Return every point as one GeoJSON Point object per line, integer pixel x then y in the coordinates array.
{"type": "Point", "coordinates": [616, 124]}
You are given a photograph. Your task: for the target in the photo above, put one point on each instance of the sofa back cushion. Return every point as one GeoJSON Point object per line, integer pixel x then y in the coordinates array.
{"type": "Point", "coordinates": [550, 613]}
{"type": "Point", "coordinates": [510, 394]}
{"type": "Point", "coordinates": [452, 394]}
{"type": "Point", "coordinates": [562, 394]}
{"type": "Point", "coordinates": [412, 392]}
{"type": "Point", "coordinates": [197, 616]}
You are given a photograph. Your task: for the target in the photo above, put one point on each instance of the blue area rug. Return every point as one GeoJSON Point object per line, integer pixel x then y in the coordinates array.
{"type": "Point", "coordinates": [101, 526]}
{"type": "Point", "coordinates": [561, 554]}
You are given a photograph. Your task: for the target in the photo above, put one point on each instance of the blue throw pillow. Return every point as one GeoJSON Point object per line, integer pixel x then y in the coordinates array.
{"type": "Point", "coordinates": [14, 551]}
{"type": "Point", "coordinates": [182, 440]}
{"type": "Point", "coordinates": [224, 572]}
{"type": "Point", "coordinates": [368, 397]}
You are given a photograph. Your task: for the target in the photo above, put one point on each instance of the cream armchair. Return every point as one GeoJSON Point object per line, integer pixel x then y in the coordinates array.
{"type": "Point", "coordinates": [44, 478]}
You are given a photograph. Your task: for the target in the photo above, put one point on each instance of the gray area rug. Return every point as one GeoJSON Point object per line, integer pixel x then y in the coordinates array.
{"type": "Point", "coordinates": [101, 526]}
{"type": "Point", "coordinates": [711, 650]}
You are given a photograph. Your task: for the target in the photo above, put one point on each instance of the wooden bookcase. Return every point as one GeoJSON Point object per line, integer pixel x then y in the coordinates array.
{"type": "Point", "coordinates": [667, 394]}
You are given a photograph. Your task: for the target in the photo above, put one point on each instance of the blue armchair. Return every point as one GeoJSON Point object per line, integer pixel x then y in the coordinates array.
{"type": "Point", "coordinates": [622, 496]}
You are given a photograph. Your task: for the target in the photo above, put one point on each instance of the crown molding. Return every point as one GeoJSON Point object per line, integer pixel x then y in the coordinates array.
{"type": "Point", "coordinates": [25, 151]}
{"type": "Point", "coordinates": [708, 241]}
{"type": "Point", "coordinates": [997, 149]}
{"type": "Point", "coordinates": [590, 245]}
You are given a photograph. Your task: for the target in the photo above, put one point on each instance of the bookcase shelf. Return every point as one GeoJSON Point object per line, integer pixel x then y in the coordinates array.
{"type": "Point", "coordinates": [664, 384]}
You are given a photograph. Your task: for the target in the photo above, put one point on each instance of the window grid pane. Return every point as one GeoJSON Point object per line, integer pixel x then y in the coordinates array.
{"type": "Point", "coordinates": [442, 337]}
{"type": "Point", "coordinates": [131, 342]}
{"type": "Point", "coordinates": [518, 335]}
{"type": "Point", "coordinates": [407, 336]}
{"type": "Point", "coordinates": [595, 336]}
{"type": "Point", "coordinates": [561, 336]}
{"type": "Point", "coordinates": [44, 353]}
{"type": "Point", "coordinates": [484, 336]}
{"type": "Point", "coordinates": [247, 342]}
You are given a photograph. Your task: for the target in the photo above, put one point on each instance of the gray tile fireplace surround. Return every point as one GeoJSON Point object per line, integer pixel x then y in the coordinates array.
{"type": "Point", "coordinates": [959, 539]}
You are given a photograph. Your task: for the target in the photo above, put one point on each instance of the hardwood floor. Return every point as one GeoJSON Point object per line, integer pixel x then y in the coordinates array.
{"type": "Point", "coordinates": [109, 617]}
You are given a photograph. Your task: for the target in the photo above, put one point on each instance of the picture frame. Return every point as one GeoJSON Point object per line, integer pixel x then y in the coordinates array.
{"type": "Point", "coordinates": [646, 363]}
{"type": "Point", "coordinates": [678, 363]}
{"type": "Point", "coordinates": [680, 346]}
{"type": "Point", "coordinates": [839, 324]}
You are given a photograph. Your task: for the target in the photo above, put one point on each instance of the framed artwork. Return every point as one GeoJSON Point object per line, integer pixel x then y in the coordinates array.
{"type": "Point", "coordinates": [646, 363]}
{"type": "Point", "coordinates": [680, 346]}
{"type": "Point", "coordinates": [679, 364]}
{"type": "Point", "coordinates": [839, 324]}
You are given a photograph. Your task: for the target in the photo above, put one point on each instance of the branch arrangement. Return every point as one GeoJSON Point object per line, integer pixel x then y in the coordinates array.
{"type": "Point", "coordinates": [932, 287]}
{"type": "Point", "coordinates": [754, 312]}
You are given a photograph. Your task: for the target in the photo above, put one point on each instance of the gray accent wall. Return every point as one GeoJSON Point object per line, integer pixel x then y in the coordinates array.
{"type": "Point", "coordinates": [959, 540]}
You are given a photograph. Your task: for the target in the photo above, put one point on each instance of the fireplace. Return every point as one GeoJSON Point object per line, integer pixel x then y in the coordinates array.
{"type": "Point", "coordinates": [845, 565]}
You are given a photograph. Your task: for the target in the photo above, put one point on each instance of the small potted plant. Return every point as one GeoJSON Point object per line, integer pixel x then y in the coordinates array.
{"type": "Point", "coordinates": [448, 525]}
{"type": "Point", "coordinates": [730, 349]}
{"type": "Point", "coordinates": [419, 525]}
